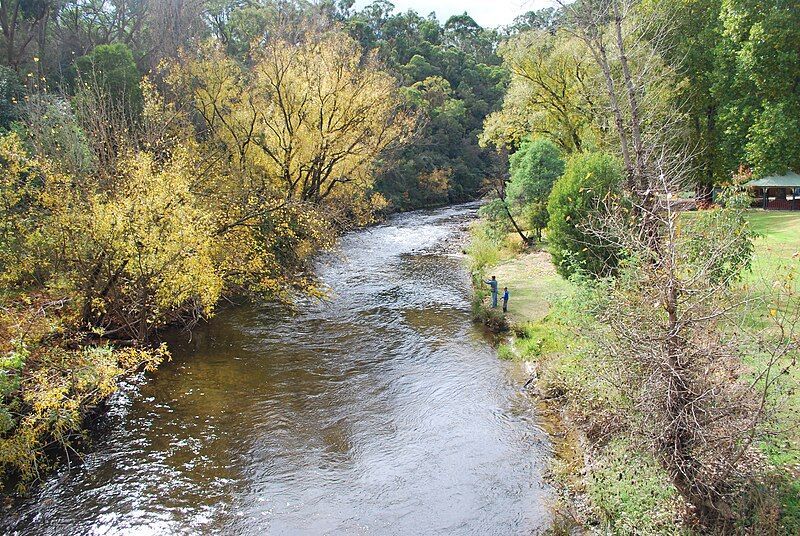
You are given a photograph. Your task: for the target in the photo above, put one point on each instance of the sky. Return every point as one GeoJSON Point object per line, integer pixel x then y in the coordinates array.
{"type": "Point", "coordinates": [487, 13]}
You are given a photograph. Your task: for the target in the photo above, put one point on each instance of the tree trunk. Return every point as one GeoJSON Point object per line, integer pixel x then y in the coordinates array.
{"type": "Point", "coordinates": [633, 102]}
{"type": "Point", "coordinates": [675, 450]}
{"type": "Point", "coordinates": [525, 240]}
{"type": "Point", "coordinates": [704, 195]}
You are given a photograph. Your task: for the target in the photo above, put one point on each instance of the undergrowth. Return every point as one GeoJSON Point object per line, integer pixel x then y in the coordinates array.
{"type": "Point", "coordinates": [628, 492]}
{"type": "Point", "coordinates": [50, 381]}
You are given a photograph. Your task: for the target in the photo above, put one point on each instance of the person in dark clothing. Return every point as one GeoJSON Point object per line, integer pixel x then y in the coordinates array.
{"type": "Point", "coordinates": [505, 299]}
{"type": "Point", "coordinates": [493, 283]}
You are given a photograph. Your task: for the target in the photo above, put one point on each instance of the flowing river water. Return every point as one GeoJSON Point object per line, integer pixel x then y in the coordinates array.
{"type": "Point", "coordinates": [383, 410]}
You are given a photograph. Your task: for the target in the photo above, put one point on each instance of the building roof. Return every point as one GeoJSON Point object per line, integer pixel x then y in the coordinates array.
{"type": "Point", "coordinates": [790, 180]}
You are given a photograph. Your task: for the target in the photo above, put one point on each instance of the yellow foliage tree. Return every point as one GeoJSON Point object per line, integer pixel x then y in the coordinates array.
{"type": "Point", "coordinates": [147, 222]}
{"type": "Point", "coordinates": [140, 253]}
{"type": "Point", "coordinates": [309, 119]}
{"type": "Point", "coordinates": [553, 92]}
{"type": "Point", "coordinates": [20, 184]}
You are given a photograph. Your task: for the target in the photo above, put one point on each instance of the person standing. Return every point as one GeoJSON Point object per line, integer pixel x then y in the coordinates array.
{"type": "Point", "coordinates": [493, 283]}
{"type": "Point", "coordinates": [505, 299]}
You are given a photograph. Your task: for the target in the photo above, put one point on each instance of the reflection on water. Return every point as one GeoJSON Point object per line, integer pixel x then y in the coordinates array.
{"type": "Point", "coordinates": [380, 411]}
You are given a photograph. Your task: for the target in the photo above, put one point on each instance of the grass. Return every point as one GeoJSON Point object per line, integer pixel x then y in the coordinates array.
{"type": "Point", "coordinates": [776, 254]}
{"type": "Point", "coordinates": [779, 232]}
{"type": "Point", "coordinates": [777, 244]}
{"type": "Point", "coordinates": [485, 251]}
{"type": "Point", "coordinates": [632, 492]}
{"type": "Point", "coordinates": [533, 285]}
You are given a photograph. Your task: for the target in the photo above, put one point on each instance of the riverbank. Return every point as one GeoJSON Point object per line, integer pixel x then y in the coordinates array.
{"type": "Point", "coordinates": [53, 381]}
{"type": "Point", "coordinates": [608, 483]}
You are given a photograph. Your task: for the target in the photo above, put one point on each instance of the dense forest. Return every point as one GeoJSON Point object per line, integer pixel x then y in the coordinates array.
{"type": "Point", "coordinates": [448, 75]}
{"type": "Point", "coordinates": [159, 156]}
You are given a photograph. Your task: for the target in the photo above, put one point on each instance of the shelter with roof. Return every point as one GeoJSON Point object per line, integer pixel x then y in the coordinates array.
{"type": "Point", "coordinates": [777, 192]}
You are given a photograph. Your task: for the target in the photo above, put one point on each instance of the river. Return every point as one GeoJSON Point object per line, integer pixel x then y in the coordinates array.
{"type": "Point", "coordinates": [382, 410]}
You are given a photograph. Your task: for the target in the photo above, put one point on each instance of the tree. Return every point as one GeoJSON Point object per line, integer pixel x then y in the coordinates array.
{"type": "Point", "coordinates": [547, 18]}
{"type": "Point", "coordinates": [576, 204]}
{"type": "Point", "coordinates": [236, 24]}
{"type": "Point", "coordinates": [674, 337]}
{"type": "Point", "coordinates": [534, 169]}
{"type": "Point", "coordinates": [82, 25]}
{"type": "Point", "coordinates": [417, 50]}
{"type": "Point", "coordinates": [173, 25]}
{"type": "Point", "coordinates": [11, 92]}
{"type": "Point", "coordinates": [312, 118]}
{"type": "Point", "coordinates": [756, 85]}
{"type": "Point", "coordinates": [637, 98]}
{"type": "Point", "coordinates": [551, 93]}
{"type": "Point", "coordinates": [692, 48]}
{"type": "Point", "coordinates": [22, 21]}
{"type": "Point", "coordinates": [143, 255]}
{"type": "Point", "coordinates": [463, 33]}
{"type": "Point", "coordinates": [111, 70]}
{"type": "Point", "coordinates": [522, 201]}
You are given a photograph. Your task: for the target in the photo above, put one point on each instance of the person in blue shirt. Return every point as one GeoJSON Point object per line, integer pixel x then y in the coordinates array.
{"type": "Point", "coordinates": [505, 299]}
{"type": "Point", "coordinates": [493, 283]}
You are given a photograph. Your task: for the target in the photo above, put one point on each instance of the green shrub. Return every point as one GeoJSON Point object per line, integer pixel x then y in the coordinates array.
{"type": "Point", "coordinates": [590, 182]}
{"type": "Point", "coordinates": [111, 70]}
{"type": "Point", "coordinates": [719, 242]}
{"type": "Point", "coordinates": [483, 249]}
{"type": "Point", "coordinates": [768, 504]}
{"type": "Point", "coordinates": [493, 319]}
{"type": "Point", "coordinates": [505, 352]}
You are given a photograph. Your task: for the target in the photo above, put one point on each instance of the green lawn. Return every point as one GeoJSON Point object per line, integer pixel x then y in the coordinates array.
{"type": "Point", "coordinates": [777, 252]}
{"type": "Point", "coordinates": [779, 227]}
{"type": "Point", "coordinates": [534, 283]}
{"type": "Point", "coordinates": [778, 242]}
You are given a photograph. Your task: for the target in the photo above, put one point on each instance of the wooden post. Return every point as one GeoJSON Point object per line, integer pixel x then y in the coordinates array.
{"type": "Point", "coordinates": [765, 198]}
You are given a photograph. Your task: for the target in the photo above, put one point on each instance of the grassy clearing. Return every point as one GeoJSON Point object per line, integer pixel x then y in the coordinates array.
{"type": "Point", "coordinates": [632, 492]}
{"type": "Point", "coordinates": [530, 276]}
{"type": "Point", "coordinates": [775, 258]}
{"type": "Point", "coordinates": [777, 247]}
{"type": "Point", "coordinates": [533, 285]}
{"type": "Point", "coordinates": [485, 251]}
